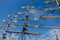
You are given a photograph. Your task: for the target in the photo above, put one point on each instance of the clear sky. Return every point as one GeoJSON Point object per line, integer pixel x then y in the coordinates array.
{"type": "Point", "coordinates": [14, 6]}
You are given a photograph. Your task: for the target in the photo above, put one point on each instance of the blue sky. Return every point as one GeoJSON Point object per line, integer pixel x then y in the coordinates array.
{"type": "Point", "coordinates": [14, 6]}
